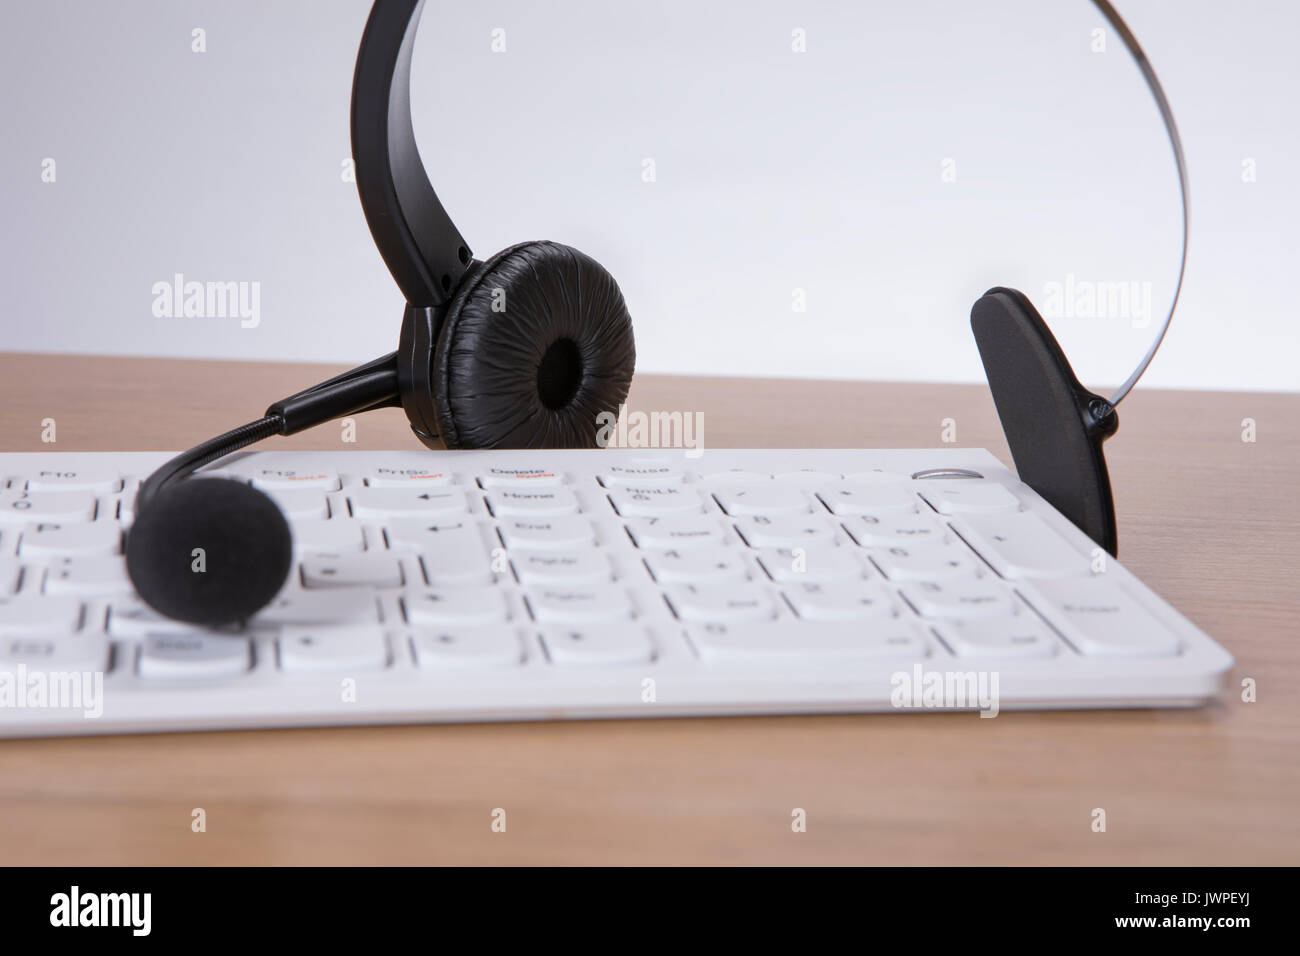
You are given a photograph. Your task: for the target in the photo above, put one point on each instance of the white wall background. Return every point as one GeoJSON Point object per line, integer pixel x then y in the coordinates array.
{"type": "Point", "coordinates": [775, 171]}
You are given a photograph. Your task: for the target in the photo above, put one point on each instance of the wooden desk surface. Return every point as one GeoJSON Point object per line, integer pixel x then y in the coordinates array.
{"type": "Point", "coordinates": [1210, 522]}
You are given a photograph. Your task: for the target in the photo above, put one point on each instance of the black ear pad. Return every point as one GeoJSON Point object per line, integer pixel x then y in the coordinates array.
{"type": "Point", "coordinates": [536, 344]}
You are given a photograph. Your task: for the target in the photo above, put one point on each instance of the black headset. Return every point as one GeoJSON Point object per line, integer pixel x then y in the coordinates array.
{"type": "Point", "coordinates": [1053, 425]}
{"type": "Point", "coordinates": [525, 350]}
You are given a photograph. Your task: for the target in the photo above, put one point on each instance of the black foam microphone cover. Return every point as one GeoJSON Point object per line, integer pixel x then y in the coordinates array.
{"type": "Point", "coordinates": [209, 551]}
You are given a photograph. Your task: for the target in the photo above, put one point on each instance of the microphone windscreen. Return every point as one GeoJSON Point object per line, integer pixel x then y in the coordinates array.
{"type": "Point", "coordinates": [209, 551]}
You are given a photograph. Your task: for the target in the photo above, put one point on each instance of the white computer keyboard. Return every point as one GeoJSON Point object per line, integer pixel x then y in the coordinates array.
{"type": "Point", "coordinates": [471, 585]}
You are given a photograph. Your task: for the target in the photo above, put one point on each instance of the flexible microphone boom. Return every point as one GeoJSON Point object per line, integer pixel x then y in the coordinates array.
{"type": "Point", "coordinates": [237, 532]}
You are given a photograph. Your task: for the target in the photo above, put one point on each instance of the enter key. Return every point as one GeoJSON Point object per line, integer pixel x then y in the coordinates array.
{"type": "Point", "coordinates": [1102, 620]}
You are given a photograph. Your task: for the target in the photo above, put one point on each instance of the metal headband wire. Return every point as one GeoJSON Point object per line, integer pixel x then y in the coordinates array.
{"type": "Point", "coordinates": [1175, 141]}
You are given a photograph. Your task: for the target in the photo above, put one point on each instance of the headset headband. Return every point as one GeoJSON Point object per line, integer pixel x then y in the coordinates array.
{"type": "Point", "coordinates": [420, 244]}
{"type": "Point", "coordinates": [1176, 143]}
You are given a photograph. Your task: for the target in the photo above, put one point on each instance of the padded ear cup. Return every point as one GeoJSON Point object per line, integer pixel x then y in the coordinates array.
{"type": "Point", "coordinates": [535, 345]}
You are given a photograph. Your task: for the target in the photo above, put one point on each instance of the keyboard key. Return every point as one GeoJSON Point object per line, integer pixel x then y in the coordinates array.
{"type": "Point", "coordinates": [893, 640]}
{"type": "Point", "coordinates": [1021, 636]}
{"type": "Point", "coordinates": [737, 476]}
{"type": "Point", "coordinates": [840, 601]}
{"type": "Point", "coordinates": [733, 602]}
{"type": "Point", "coordinates": [763, 500]}
{"type": "Point", "coordinates": [301, 502]}
{"type": "Point", "coordinates": [656, 500]}
{"type": "Point", "coordinates": [47, 507]}
{"type": "Point", "coordinates": [278, 479]}
{"type": "Point", "coordinates": [1022, 545]}
{"type": "Point", "coordinates": [688, 531]}
{"type": "Point", "coordinates": [924, 562]}
{"type": "Point", "coordinates": [103, 481]}
{"type": "Point", "coordinates": [408, 534]}
{"type": "Point", "coordinates": [191, 655]}
{"type": "Point", "coordinates": [507, 477]}
{"type": "Point", "coordinates": [878, 476]}
{"type": "Point", "coordinates": [808, 476]}
{"type": "Point", "coordinates": [547, 534]}
{"type": "Point", "coordinates": [374, 569]}
{"type": "Point", "coordinates": [314, 650]}
{"type": "Point", "coordinates": [29, 614]}
{"type": "Point", "coordinates": [695, 564]}
{"type": "Point", "coordinates": [121, 508]}
{"type": "Point", "coordinates": [452, 606]}
{"type": "Point", "coordinates": [869, 499]}
{"type": "Point", "coordinates": [461, 647]}
{"type": "Point", "coordinates": [871, 531]}
{"type": "Point", "coordinates": [408, 478]}
{"type": "Point", "coordinates": [83, 652]}
{"type": "Point", "coordinates": [385, 503]}
{"type": "Point", "coordinates": [335, 536]}
{"type": "Point", "coordinates": [88, 577]}
{"type": "Point", "coordinates": [813, 564]}
{"type": "Point", "coordinates": [444, 571]}
{"type": "Point", "coordinates": [50, 541]}
{"type": "Point", "coordinates": [451, 552]}
{"type": "Point", "coordinates": [785, 531]}
{"type": "Point", "coordinates": [641, 475]}
{"type": "Point", "coordinates": [451, 555]}
{"type": "Point", "coordinates": [562, 567]}
{"type": "Point", "coordinates": [533, 501]}
{"type": "Point", "coordinates": [578, 605]}
{"type": "Point", "coordinates": [600, 646]}
{"type": "Point", "coordinates": [335, 606]}
{"type": "Point", "coordinates": [960, 600]}
{"type": "Point", "coordinates": [970, 497]}
{"type": "Point", "coordinates": [129, 617]}
{"type": "Point", "coordinates": [1101, 620]}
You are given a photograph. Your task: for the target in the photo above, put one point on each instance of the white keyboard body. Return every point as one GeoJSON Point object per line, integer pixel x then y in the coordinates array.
{"type": "Point", "coordinates": [521, 585]}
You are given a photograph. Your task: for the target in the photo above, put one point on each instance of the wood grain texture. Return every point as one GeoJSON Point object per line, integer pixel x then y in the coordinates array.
{"type": "Point", "coordinates": [1208, 521]}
